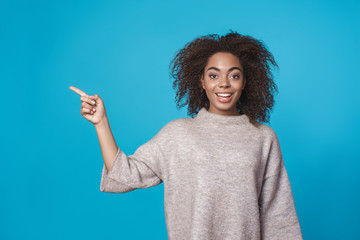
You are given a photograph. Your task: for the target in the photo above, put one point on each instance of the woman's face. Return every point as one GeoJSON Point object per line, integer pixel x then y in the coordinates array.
{"type": "Point", "coordinates": [223, 81]}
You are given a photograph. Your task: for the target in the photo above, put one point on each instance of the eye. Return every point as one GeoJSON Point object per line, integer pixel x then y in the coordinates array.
{"type": "Point", "coordinates": [236, 76]}
{"type": "Point", "coordinates": [212, 76]}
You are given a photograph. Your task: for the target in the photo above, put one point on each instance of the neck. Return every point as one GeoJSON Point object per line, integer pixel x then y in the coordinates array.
{"type": "Point", "coordinates": [232, 112]}
{"type": "Point", "coordinates": [210, 117]}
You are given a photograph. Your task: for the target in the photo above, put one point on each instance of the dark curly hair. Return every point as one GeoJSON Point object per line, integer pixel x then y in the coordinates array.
{"type": "Point", "coordinates": [257, 98]}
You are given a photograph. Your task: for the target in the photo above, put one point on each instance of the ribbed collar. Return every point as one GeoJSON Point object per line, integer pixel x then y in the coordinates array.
{"type": "Point", "coordinates": [206, 116]}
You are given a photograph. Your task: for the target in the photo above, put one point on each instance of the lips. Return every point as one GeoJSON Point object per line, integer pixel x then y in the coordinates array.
{"type": "Point", "coordinates": [224, 97]}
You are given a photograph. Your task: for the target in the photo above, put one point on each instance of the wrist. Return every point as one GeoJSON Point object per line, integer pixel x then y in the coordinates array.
{"type": "Point", "coordinates": [102, 123]}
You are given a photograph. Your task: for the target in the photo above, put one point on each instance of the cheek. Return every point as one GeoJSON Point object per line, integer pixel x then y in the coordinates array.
{"type": "Point", "coordinates": [209, 89]}
{"type": "Point", "coordinates": [210, 84]}
{"type": "Point", "coordinates": [238, 86]}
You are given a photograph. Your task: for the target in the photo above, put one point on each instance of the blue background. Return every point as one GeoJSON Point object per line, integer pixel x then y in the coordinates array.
{"type": "Point", "coordinates": [50, 157]}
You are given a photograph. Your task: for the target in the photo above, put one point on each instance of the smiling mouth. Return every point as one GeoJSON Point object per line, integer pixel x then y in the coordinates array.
{"type": "Point", "coordinates": [224, 97]}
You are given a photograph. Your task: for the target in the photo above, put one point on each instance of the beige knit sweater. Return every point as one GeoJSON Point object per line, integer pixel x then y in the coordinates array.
{"type": "Point", "coordinates": [224, 178]}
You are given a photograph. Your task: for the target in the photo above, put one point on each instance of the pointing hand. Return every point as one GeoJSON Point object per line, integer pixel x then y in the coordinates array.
{"type": "Point", "coordinates": [92, 107]}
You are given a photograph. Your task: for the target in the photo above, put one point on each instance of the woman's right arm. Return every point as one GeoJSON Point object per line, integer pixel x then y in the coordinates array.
{"type": "Point", "coordinates": [93, 110]}
{"type": "Point", "coordinates": [107, 142]}
{"type": "Point", "coordinates": [121, 173]}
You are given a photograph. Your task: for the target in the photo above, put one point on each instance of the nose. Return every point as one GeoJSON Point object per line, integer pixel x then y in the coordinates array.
{"type": "Point", "coordinates": [224, 82]}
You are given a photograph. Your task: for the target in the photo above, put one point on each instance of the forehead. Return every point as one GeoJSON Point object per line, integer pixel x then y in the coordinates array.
{"type": "Point", "coordinates": [223, 60]}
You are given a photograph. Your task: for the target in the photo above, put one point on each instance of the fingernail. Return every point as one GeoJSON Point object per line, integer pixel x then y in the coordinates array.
{"type": "Point", "coordinates": [93, 102]}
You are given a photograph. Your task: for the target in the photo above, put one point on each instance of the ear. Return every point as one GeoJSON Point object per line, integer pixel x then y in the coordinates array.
{"type": "Point", "coordinates": [202, 81]}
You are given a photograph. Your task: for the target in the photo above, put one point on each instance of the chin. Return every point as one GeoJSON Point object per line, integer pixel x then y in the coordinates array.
{"type": "Point", "coordinates": [225, 110]}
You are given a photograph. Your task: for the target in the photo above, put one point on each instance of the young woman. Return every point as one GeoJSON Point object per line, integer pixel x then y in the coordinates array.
{"type": "Point", "coordinates": [222, 169]}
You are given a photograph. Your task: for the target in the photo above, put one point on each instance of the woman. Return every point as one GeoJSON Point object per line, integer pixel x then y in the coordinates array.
{"type": "Point", "coordinates": [223, 172]}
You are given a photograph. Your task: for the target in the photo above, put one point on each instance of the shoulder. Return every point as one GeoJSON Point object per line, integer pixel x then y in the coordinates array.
{"type": "Point", "coordinates": [176, 124]}
{"type": "Point", "coordinates": [263, 129]}
{"type": "Point", "coordinates": [267, 130]}
{"type": "Point", "coordinates": [173, 129]}
{"type": "Point", "coordinates": [264, 132]}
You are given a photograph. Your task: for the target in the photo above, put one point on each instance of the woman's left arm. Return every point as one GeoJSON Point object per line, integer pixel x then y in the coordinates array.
{"type": "Point", "coordinates": [278, 215]}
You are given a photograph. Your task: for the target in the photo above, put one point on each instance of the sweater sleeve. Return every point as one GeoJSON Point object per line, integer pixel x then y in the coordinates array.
{"type": "Point", "coordinates": [140, 170]}
{"type": "Point", "coordinates": [277, 209]}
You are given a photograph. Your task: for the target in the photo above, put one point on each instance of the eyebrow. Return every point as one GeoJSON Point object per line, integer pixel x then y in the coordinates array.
{"type": "Point", "coordinates": [217, 69]}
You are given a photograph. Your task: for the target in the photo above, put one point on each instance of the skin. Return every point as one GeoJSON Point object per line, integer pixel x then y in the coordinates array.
{"type": "Point", "coordinates": [92, 107]}
{"type": "Point", "coordinates": [223, 79]}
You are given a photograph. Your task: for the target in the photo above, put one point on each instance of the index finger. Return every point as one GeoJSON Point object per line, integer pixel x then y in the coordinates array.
{"type": "Point", "coordinates": [78, 91]}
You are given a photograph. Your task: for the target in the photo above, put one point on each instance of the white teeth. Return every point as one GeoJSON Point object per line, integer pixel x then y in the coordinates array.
{"type": "Point", "coordinates": [223, 94]}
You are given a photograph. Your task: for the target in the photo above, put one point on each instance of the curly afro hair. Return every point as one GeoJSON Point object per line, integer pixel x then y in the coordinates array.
{"type": "Point", "coordinates": [187, 68]}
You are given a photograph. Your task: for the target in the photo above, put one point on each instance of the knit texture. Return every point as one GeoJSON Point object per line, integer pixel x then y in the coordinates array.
{"type": "Point", "coordinates": [224, 178]}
